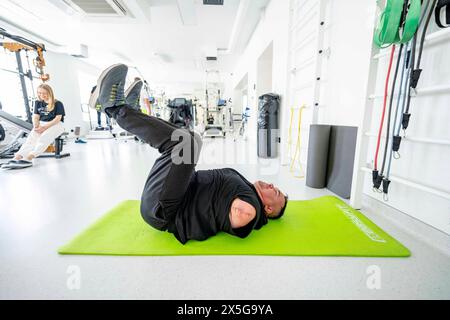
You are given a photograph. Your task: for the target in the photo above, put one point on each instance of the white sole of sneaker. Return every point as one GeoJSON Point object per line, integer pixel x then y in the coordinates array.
{"type": "Point", "coordinates": [7, 163]}
{"type": "Point", "coordinates": [127, 92]}
{"type": "Point", "coordinates": [18, 166]}
{"type": "Point", "coordinates": [94, 95]}
{"type": "Point", "coordinates": [10, 167]}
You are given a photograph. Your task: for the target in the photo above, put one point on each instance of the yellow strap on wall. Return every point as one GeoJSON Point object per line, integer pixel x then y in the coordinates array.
{"type": "Point", "coordinates": [290, 132]}
{"type": "Point", "coordinates": [298, 144]}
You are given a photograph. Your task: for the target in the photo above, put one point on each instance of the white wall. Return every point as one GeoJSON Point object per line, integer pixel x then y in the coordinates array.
{"type": "Point", "coordinates": [344, 81]}
{"type": "Point", "coordinates": [264, 72]}
{"type": "Point", "coordinates": [71, 79]}
{"type": "Point", "coordinates": [345, 72]}
{"type": "Point", "coordinates": [342, 67]}
{"type": "Point", "coordinates": [424, 164]}
{"type": "Point", "coordinates": [272, 27]}
{"type": "Point", "coordinates": [239, 91]}
{"type": "Point", "coordinates": [69, 87]}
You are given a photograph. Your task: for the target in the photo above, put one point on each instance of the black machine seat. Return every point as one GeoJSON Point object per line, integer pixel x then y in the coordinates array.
{"type": "Point", "coordinates": [59, 143]}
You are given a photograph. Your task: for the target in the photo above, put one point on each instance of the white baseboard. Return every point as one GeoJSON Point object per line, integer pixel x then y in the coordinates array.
{"type": "Point", "coordinates": [416, 228]}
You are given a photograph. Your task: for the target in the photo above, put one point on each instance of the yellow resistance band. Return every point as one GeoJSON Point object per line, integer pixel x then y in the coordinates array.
{"type": "Point", "coordinates": [290, 132]}
{"type": "Point", "coordinates": [298, 144]}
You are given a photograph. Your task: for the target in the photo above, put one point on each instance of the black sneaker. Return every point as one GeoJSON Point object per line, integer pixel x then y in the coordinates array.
{"type": "Point", "coordinates": [110, 88]}
{"type": "Point", "coordinates": [133, 94]}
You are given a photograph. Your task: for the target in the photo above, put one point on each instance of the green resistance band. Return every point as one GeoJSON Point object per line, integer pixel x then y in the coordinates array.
{"type": "Point", "coordinates": [411, 22]}
{"type": "Point", "coordinates": [390, 28]}
{"type": "Point", "coordinates": [387, 29]}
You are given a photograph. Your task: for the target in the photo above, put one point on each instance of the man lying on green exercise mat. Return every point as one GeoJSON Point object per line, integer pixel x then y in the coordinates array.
{"type": "Point", "coordinates": [188, 203]}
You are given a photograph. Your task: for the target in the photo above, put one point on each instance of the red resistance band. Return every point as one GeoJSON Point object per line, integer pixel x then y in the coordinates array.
{"type": "Point", "coordinates": [386, 89]}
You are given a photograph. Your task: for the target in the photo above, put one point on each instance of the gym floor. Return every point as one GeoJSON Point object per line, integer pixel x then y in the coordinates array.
{"type": "Point", "coordinates": [37, 216]}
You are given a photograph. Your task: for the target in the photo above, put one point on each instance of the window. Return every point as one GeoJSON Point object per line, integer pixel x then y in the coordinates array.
{"type": "Point", "coordinates": [11, 95]}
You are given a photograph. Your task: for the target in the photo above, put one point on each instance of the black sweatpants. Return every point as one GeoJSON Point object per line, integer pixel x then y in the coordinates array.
{"type": "Point", "coordinates": [169, 178]}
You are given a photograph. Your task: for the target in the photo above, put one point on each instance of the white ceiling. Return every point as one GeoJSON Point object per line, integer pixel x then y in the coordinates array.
{"type": "Point", "coordinates": [168, 40]}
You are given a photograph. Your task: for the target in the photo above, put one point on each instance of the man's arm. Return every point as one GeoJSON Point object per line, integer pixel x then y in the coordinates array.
{"type": "Point", "coordinates": [241, 213]}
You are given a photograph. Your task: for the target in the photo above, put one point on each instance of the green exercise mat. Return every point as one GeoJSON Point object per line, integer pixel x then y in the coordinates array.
{"type": "Point", "coordinates": [324, 226]}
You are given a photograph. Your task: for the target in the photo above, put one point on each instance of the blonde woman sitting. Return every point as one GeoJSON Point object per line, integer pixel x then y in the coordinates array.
{"type": "Point", "coordinates": [48, 118]}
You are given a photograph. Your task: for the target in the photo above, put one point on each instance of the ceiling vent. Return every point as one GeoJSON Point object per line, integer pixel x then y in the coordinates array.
{"type": "Point", "coordinates": [213, 2]}
{"type": "Point", "coordinates": [98, 8]}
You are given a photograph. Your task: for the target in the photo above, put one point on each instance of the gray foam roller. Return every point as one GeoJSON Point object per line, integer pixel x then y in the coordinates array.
{"type": "Point", "coordinates": [341, 156]}
{"type": "Point", "coordinates": [316, 173]}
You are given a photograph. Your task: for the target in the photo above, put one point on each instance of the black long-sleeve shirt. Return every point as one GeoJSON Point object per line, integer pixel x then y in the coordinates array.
{"type": "Point", "coordinates": [207, 202]}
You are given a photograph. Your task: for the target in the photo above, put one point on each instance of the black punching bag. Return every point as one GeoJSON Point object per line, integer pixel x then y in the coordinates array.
{"type": "Point", "coordinates": [268, 133]}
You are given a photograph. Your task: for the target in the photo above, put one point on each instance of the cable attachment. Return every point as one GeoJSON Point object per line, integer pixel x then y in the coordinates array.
{"type": "Point", "coordinates": [377, 179]}
{"type": "Point", "coordinates": [396, 143]}
{"type": "Point", "coordinates": [374, 176]}
{"type": "Point", "coordinates": [415, 76]}
{"type": "Point", "coordinates": [386, 183]}
{"type": "Point", "coordinates": [405, 120]}
{"type": "Point", "coordinates": [378, 182]}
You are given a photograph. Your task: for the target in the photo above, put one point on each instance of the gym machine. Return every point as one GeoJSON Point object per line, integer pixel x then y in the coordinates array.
{"type": "Point", "coordinates": [25, 128]}
{"type": "Point", "coordinates": [181, 113]}
{"type": "Point", "coordinates": [22, 44]}
{"type": "Point", "coordinates": [219, 118]}
{"type": "Point", "coordinates": [19, 45]}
